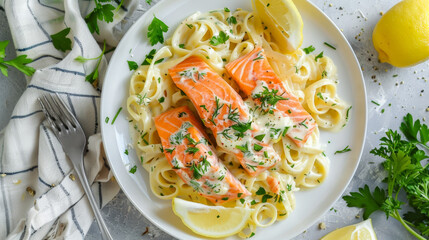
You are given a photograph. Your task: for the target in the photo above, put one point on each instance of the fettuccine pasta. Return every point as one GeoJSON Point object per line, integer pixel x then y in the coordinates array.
{"type": "Point", "coordinates": [313, 82]}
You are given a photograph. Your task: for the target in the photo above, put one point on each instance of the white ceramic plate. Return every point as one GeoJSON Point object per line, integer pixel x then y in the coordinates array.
{"type": "Point", "coordinates": [311, 204]}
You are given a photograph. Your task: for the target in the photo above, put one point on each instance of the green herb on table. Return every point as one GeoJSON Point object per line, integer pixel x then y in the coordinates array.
{"type": "Point", "coordinates": [102, 12]}
{"type": "Point", "coordinates": [19, 62]}
{"type": "Point", "coordinates": [60, 40]}
{"type": "Point", "coordinates": [407, 171]}
{"type": "Point", "coordinates": [155, 31]}
{"type": "Point", "coordinates": [220, 39]}
{"type": "Point", "coordinates": [149, 1]}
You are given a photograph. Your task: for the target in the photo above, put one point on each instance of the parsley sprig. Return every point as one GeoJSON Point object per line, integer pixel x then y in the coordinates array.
{"type": "Point", "coordinates": [149, 57]}
{"type": "Point", "coordinates": [102, 12]}
{"type": "Point", "coordinates": [60, 40]}
{"type": "Point", "coordinates": [19, 62]}
{"type": "Point", "coordinates": [155, 31]}
{"type": "Point", "coordinates": [403, 162]}
{"type": "Point", "coordinates": [220, 39]}
{"type": "Point", "coordinates": [94, 74]}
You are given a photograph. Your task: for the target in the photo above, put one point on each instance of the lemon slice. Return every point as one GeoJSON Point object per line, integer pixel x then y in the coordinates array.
{"type": "Point", "coordinates": [211, 221]}
{"type": "Point", "coordinates": [360, 231]}
{"type": "Point", "coordinates": [282, 19]}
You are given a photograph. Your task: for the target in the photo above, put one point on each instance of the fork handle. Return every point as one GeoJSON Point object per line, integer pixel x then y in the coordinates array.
{"type": "Point", "coordinates": [80, 170]}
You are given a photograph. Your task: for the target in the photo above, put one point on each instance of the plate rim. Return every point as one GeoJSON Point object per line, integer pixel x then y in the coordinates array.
{"type": "Point", "coordinates": [128, 193]}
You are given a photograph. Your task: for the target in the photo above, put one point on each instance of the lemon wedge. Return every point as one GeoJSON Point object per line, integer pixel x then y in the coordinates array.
{"type": "Point", "coordinates": [360, 231]}
{"type": "Point", "coordinates": [401, 35]}
{"type": "Point", "coordinates": [211, 221]}
{"type": "Point", "coordinates": [282, 19]}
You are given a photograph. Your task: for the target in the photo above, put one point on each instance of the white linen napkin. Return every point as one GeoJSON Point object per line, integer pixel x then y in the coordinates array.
{"type": "Point", "coordinates": [40, 195]}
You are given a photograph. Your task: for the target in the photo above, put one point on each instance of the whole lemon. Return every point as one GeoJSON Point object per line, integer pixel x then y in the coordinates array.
{"type": "Point", "coordinates": [401, 37]}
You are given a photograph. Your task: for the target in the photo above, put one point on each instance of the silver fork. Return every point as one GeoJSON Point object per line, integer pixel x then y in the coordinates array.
{"type": "Point", "coordinates": [72, 138]}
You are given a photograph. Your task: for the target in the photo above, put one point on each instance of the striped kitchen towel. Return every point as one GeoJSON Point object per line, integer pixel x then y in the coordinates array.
{"type": "Point", "coordinates": [39, 196]}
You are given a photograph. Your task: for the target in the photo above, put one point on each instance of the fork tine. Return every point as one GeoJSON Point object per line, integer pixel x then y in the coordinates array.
{"type": "Point", "coordinates": [62, 113]}
{"type": "Point", "coordinates": [48, 114]}
{"type": "Point", "coordinates": [50, 108]}
{"type": "Point", "coordinates": [67, 113]}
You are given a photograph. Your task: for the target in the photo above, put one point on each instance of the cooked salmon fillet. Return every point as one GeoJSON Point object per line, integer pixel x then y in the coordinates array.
{"type": "Point", "coordinates": [192, 157]}
{"type": "Point", "coordinates": [253, 71]}
{"type": "Point", "coordinates": [223, 111]}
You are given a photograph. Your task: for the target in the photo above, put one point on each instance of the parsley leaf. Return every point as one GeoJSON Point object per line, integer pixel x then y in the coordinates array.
{"type": "Point", "coordinates": [133, 169]}
{"type": "Point", "coordinates": [411, 130]}
{"type": "Point", "coordinates": [192, 150]}
{"type": "Point", "coordinates": [241, 128]}
{"type": "Point", "coordinates": [266, 197]}
{"type": "Point", "coordinates": [318, 56]}
{"type": "Point", "coordinates": [20, 62]}
{"type": "Point", "coordinates": [132, 65]}
{"type": "Point", "coordinates": [102, 12]}
{"type": "Point", "coordinates": [260, 137]}
{"type": "Point", "coordinates": [60, 40]}
{"type": "Point", "coordinates": [244, 148]}
{"type": "Point", "coordinates": [309, 49]}
{"type": "Point", "coordinates": [220, 39]}
{"type": "Point", "coordinates": [155, 31]}
{"type": "Point", "coordinates": [261, 191]}
{"type": "Point", "coordinates": [257, 147]}
{"type": "Point", "coordinates": [149, 57]}
{"type": "Point", "coordinates": [231, 20]}
{"type": "Point", "coordinates": [370, 202]}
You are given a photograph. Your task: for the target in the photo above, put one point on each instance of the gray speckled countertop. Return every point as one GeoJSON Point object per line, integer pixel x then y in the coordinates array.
{"type": "Point", "coordinates": [397, 95]}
